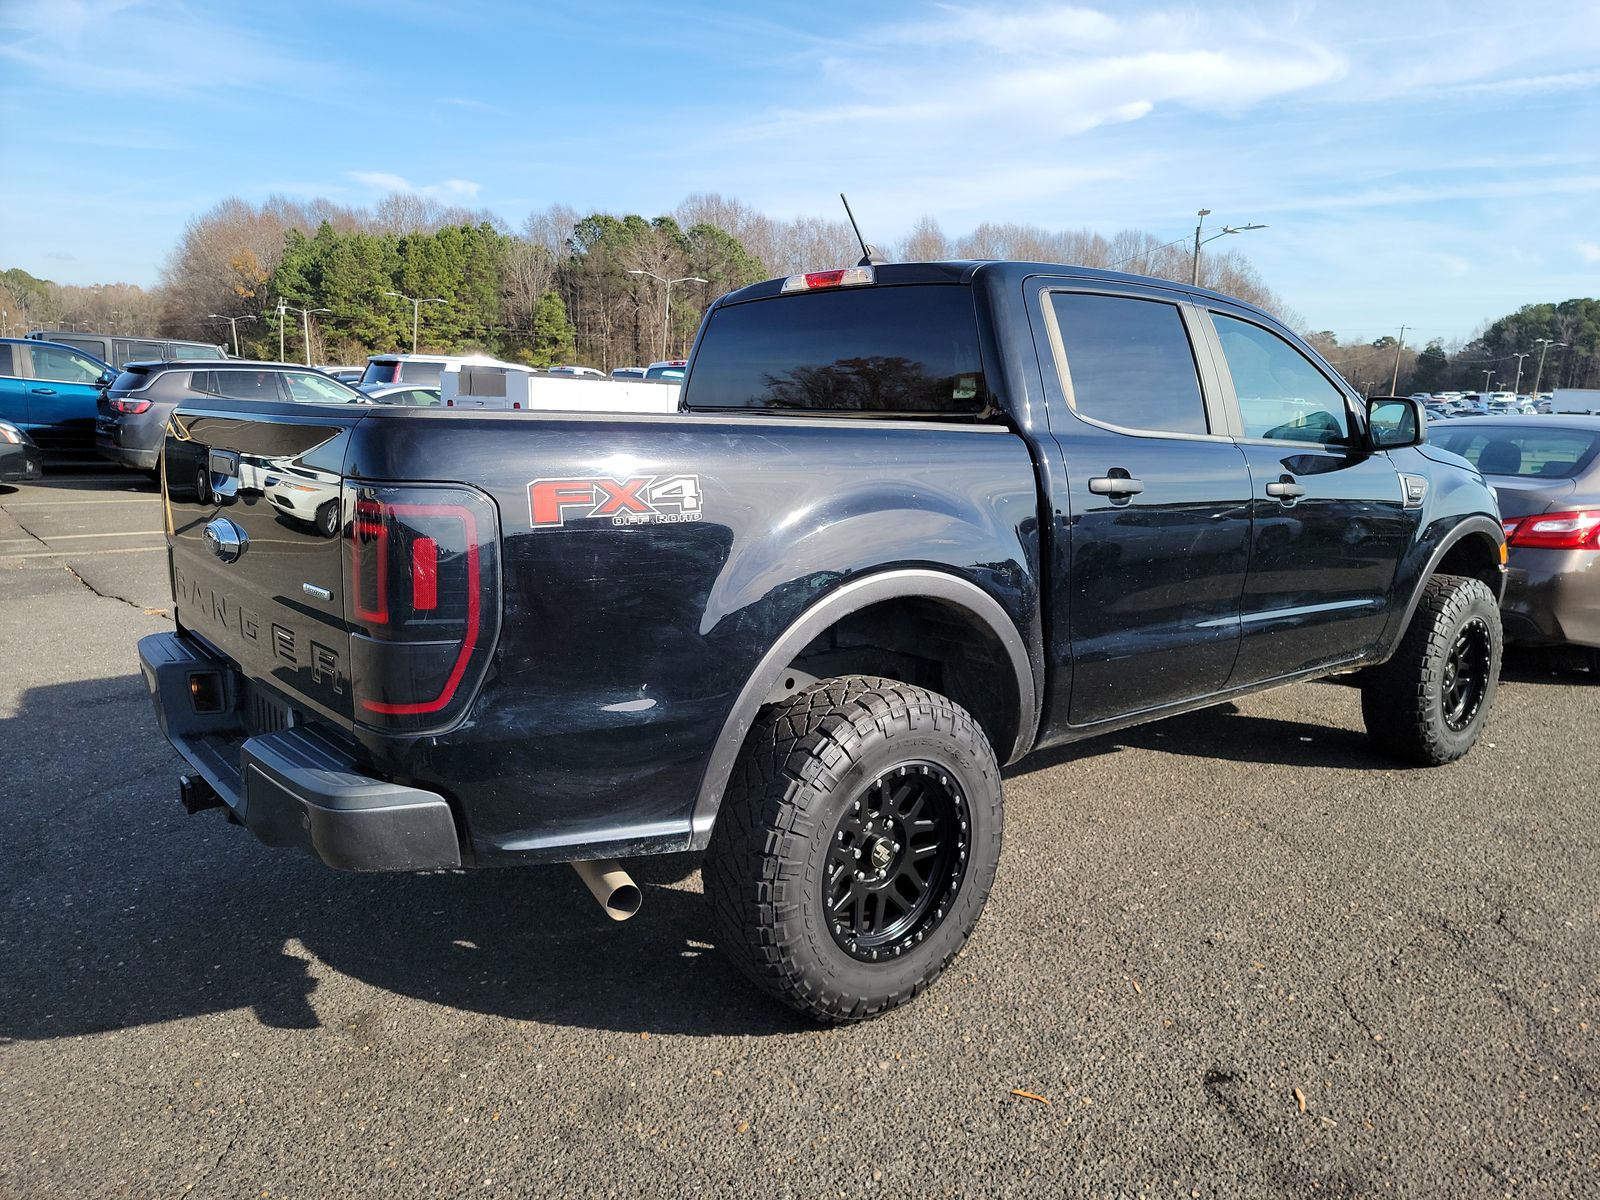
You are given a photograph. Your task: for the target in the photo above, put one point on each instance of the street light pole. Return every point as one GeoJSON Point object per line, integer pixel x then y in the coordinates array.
{"type": "Point", "coordinates": [1394, 380]}
{"type": "Point", "coordinates": [305, 328]}
{"type": "Point", "coordinates": [416, 312]}
{"type": "Point", "coordinates": [1487, 375]}
{"type": "Point", "coordinates": [666, 305]}
{"type": "Point", "coordinates": [233, 328]}
{"type": "Point", "coordinates": [1516, 388]}
{"type": "Point", "coordinates": [1194, 263]}
{"type": "Point", "coordinates": [1544, 345]}
{"type": "Point", "coordinates": [283, 311]}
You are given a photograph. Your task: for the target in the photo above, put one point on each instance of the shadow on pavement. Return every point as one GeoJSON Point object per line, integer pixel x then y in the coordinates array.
{"type": "Point", "coordinates": [120, 910]}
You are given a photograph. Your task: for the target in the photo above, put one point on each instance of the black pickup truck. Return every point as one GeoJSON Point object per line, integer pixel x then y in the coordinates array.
{"type": "Point", "coordinates": [915, 521]}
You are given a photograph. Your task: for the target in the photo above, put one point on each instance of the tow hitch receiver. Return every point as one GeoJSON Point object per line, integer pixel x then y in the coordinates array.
{"type": "Point", "coordinates": [196, 794]}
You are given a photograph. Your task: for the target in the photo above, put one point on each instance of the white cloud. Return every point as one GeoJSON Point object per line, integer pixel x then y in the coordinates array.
{"type": "Point", "coordinates": [140, 48]}
{"type": "Point", "coordinates": [450, 189]}
{"type": "Point", "coordinates": [1589, 251]}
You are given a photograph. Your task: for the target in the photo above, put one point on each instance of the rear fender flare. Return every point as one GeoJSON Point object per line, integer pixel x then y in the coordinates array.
{"type": "Point", "coordinates": [906, 583]}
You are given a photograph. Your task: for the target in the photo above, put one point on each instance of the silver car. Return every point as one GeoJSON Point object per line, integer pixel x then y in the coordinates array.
{"type": "Point", "coordinates": [1546, 471]}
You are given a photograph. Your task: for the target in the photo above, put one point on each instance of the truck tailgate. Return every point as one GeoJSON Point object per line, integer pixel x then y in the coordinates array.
{"type": "Point", "coordinates": [254, 519]}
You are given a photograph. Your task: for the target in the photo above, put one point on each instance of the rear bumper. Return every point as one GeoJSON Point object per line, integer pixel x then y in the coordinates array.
{"type": "Point", "coordinates": [105, 441]}
{"type": "Point", "coordinates": [1552, 597]}
{"type": "Point", "coordinates": [294, 786]}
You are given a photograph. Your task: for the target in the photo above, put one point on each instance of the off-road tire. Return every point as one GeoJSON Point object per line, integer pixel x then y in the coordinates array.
{"type": "Point", "coordinates": [1404, 702]}
{"type": "Point", "coordinates": [807, 761]}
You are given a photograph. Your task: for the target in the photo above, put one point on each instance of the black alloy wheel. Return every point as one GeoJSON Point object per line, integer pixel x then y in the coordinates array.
{"type": "Point", "coordinates": [856, 845]}
{"type": "Point", "coordinates": [896, 861]}
{"type": "Point", "coordinates": [1466, 674]}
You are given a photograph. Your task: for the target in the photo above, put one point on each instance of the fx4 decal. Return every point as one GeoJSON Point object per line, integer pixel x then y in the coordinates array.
{"type": "Point", "coordinates": [642, 500]}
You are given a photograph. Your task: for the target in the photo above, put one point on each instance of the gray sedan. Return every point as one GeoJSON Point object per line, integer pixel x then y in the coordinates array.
{"type": "Point", "coordinates": [1546, 471]}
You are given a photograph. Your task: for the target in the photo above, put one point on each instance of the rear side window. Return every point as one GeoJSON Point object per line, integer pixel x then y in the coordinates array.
{"type": "Point", "coordinates": [94, 346]}
{"type": "Point", "coordinates": [142, 351]}
{"type": "Point", "coordinates": [196, 350]}
{"type": "Point", "coordinates": [5, 361]}
{"type": "Point", "coordinates": [481, 381]}
{"type": "Point", "coordinates": [910, 349]}
{"type": "Point", "coordinates": [245, 385]}
{"type": "Point", "coordinates": [1129, 363]}
{"type": "Point", "coordinates": [425, 373]}
{"type": "Point", "coordinates": [1282, 396]}
{"type": "Point", "coordinates": [1529, 453]}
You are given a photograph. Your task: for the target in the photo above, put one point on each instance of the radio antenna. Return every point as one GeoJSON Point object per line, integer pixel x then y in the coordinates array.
{"type": "Point", "coordinates": [869, 254]}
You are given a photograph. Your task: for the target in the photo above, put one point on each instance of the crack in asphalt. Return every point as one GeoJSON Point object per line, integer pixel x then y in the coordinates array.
{"type": "Point", "coordinates": [73, 571]}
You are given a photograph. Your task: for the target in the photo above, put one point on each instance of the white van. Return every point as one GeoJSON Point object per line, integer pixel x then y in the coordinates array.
{"type": "Point", "coordinates": [487, 384]}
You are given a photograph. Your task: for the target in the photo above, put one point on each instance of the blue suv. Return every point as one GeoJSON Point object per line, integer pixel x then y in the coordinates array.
{"type": "Point", "coordinates": [51, 391]}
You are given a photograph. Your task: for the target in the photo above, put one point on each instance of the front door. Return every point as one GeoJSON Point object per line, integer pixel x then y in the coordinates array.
{"type": "Point", "coordinates": [63, 397]}
{"type": "Point", "coordinates": [1151, 562]}
{"type": "Point", "coordinates": [1329, 516]}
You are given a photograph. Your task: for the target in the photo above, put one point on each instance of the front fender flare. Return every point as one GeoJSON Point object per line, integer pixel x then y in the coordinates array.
{"type": "Point", "coordinates": [902, 583]}
{"type": "Point", "coordinates": [1468, 527]}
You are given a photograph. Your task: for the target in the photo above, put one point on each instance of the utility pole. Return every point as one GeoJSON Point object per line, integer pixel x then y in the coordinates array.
{"type": "Point", "coordinates": [1394, 380]}
{"type": "Point", "coordinates": [416, 312]}
{"type": "Point", "coordinates": [1194, 263]}
{"type": "Point", "coordinates": [1544, 345]}
{"type": "Point", "coordinates": [666, 304]}
{"type": "Point", "coordinates": [233, 328]}
{"type": "Point", "coordinates": [1516, 388]}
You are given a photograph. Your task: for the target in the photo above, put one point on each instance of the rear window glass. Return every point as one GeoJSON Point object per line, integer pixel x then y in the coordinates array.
{"type": "Point", "coordinates": [907, 349]}
{"type": "Point", "coordinates": [378, 372]}
{"type": "Point", "coordinates": [130, 381]}
{"type": "Point", "coordinates": [196, 350]}
{"type": "Point", "coordinates": [420, 372]}
{"type": "Point", "coordinates": [1513, 450]}
{"type": "Point", "coordinates": [482, 381]}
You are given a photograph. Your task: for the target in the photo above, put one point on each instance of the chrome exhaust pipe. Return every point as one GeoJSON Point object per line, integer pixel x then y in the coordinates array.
{"type": "Point", "coordinates": [618, 894]}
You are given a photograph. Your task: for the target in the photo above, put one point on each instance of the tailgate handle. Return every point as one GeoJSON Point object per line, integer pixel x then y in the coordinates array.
{"type": "Point", "coordinates": [225, 462]}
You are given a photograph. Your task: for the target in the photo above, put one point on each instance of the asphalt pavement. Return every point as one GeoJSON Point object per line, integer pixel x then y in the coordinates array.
{"type": "Point", "coordinates": [1236, 953]}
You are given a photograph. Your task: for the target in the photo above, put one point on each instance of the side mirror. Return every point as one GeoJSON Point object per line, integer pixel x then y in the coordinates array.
{"type": "Point", "coordinates": [1394, 422]}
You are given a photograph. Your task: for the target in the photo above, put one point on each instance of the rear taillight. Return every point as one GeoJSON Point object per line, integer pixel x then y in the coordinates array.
{"type": "Point", "coordinates": [422, 602]}
{"type": "Point", "coordinates": [1555, 531]}
{"type": "Point", "coordinates": [132, 407]}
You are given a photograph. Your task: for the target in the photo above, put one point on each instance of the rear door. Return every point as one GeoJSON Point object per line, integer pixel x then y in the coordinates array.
{"type": "Point", "coordinates": [1329, 516]}
{"type": "Point", "coordinates": [1159, 500]}
{"type": "Point", "coordinates": [254, 508]}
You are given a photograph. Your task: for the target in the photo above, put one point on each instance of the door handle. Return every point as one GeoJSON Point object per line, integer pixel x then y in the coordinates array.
{"type": "Point", "coordinates": [1118, 484]}
{"type": "Point", "coordinates": [1285, 489]}
{"type": "Point", "coordinates": [43, 391]}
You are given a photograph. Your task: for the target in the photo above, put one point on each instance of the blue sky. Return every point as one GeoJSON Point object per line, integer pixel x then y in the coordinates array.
{"type": "Point", "coordinates": [1431, 164]}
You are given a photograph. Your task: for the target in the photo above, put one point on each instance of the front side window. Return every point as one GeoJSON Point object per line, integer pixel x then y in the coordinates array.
{"type": "Point", "coordinates": [305, 388]}
{"type": "Point", "coordinates": [906, 349]}
{"type": "Point", "coordinates": [246, 385]}
{"type": "Point", "coordinates": [64, 366]}
{"type": "Point", "coordinates": [1129, 363]}
{"type": "Point", "coordinates": [1282, 396]}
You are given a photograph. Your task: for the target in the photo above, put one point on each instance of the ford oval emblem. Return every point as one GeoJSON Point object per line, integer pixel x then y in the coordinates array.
{"type": "Point", "coordinates": [227, 540]}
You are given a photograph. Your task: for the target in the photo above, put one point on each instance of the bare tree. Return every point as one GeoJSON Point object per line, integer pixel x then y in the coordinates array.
{"type": "Point", "coordinates": [925, 243]}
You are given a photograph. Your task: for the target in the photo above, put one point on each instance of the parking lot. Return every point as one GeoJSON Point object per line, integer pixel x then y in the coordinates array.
{"type": "Point", "coordinates": [1234, 953]}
